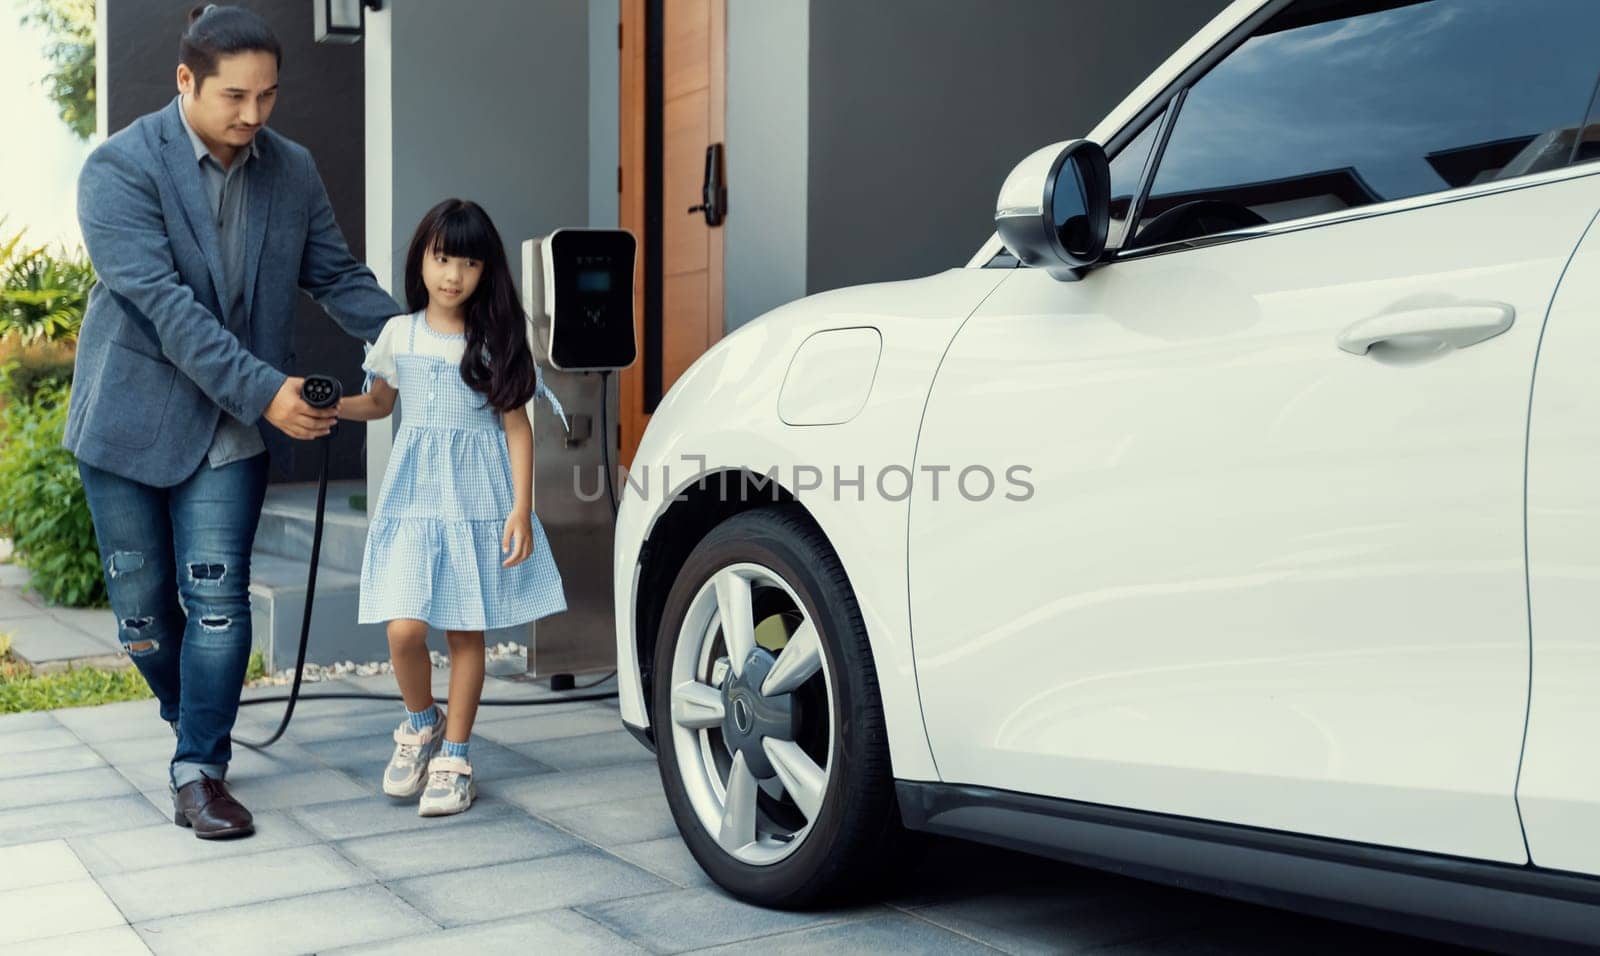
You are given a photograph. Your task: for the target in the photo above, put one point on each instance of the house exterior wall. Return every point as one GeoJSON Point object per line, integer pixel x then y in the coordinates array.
{"type": "Point", "coordinates": [492, 102]}
{"type": "Point", "coordinates": [500, 116]}
{"type": "Point", "coordinates": [494, 108]}
{"type": "Point", "coordinates": [605, 126]}
{"type": "Point", "coordinates": [919, 109]}
{"type": "Point", "coordinates": [765, 246]}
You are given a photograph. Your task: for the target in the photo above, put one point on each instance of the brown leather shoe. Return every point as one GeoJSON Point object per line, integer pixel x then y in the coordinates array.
{"type": "Point", "coordinates": [206, 805]}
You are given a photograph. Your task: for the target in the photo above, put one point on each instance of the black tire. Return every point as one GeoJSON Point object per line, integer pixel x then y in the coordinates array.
{"type": "Point", "coordinates": [856, 836]}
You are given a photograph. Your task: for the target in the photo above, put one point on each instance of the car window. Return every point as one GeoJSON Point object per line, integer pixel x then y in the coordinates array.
{"type": "Point", "coordinates": [1587, 148]}
{"type": "Point", "coordinates": [1334, 104]}
{"type": "Point", "coordinates": [1127, 169]}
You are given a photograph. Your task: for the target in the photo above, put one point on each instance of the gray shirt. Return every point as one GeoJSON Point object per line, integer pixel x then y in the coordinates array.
{"type": "Point", "coordinates": [225, 189]}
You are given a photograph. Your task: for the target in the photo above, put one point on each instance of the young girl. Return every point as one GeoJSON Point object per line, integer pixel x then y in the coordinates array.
{"type": "Point", "coordinates": [453, 542]}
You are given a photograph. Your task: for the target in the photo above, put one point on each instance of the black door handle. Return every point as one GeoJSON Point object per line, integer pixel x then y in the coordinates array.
{"type": "Point", "coordinates": [713, 189]}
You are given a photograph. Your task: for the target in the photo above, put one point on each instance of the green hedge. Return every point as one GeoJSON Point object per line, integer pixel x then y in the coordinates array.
{"type": "Point", "coordinates": [42, 505]}
{"type": "Point", "coordinates": [29, 371]}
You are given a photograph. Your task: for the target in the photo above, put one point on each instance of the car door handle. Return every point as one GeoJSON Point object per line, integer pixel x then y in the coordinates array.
{"type": "Point", "coordinates": [1455, 325]}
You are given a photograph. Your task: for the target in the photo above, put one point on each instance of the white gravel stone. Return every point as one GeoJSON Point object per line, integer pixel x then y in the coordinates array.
{"type": "Point", "coordinates": [314, 673]}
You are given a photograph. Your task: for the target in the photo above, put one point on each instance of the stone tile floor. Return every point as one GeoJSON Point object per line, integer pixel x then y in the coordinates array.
{"type": "Point", "coordinates": [570, 849]}
{"type": "Point", "coordinates": [49, 637]}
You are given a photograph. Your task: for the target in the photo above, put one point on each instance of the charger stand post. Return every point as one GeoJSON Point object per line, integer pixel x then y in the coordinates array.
{"type": "Point", "coordinates": [577, 289]}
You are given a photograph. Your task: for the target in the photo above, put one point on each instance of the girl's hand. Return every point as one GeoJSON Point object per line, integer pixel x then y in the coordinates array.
{"type": "Point", "coordinates": [376, 403]}
{"type": "Point", "coordinates": [354, 408]}
{"type": "Point", "coordinates": [517, 541]}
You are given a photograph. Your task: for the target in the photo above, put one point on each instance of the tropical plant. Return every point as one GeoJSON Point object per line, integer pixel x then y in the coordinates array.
{"type": "Point", "coordinates": [42, 293]}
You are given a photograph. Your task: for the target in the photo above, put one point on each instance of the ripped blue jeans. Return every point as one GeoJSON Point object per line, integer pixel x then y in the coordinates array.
{"type": "Point", "coordinates": [177, 567]}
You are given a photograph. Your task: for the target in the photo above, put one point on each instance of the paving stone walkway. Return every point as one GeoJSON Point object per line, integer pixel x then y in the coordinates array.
{"type": "Point", "coordinates": [50, 637]}
{"type": "Point", "coordinates": [570, 849]}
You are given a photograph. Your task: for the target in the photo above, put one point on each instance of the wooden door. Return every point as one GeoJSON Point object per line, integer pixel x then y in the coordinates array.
{"type": "Point", "coordinates": [673, 91]}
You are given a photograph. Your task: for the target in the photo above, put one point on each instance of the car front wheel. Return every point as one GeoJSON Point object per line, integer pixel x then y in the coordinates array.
{"type": "Point", "coordinates": [771, 737]}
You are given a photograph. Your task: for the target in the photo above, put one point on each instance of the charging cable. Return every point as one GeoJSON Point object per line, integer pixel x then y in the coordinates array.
{"type": "Point", "coordinates": [605, 439]}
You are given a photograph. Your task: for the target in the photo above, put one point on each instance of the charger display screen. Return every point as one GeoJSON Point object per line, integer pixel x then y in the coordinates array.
{"type": "Point", "coordinates": [591, 299]}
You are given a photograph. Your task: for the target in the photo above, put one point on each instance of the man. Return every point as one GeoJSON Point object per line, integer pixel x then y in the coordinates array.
{"type": "Point", "coordinates": [201, 224]}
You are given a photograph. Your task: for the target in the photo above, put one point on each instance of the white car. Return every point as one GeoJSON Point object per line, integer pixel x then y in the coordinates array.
{"type": "Point", "coordinates": [1253, 547]}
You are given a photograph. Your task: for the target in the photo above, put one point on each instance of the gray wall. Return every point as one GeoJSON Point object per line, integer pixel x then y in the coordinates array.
{"type": "Point", "coordinates": [764, 252]}
{"type": "Point", "coordinates": [494, 108]}
{"type": "Point", "coordinates": [919, 110]}
{"type": "Point", "coordinates": [604, 111]}
{"type": "Point", "coordinates": [320, 106]}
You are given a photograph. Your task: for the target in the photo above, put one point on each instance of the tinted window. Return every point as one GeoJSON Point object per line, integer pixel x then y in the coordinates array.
{"type": "Point", "coordinates": [1341, 103]}
{"type": "Point", "coordinates": [1588, 145]}
{"type": "Point", "coordinates": [1126, 168]}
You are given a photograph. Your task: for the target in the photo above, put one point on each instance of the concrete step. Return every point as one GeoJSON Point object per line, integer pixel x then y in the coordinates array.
{"type": "Point", "coordinates": [288, 517]}
{"type": "Point", "coordinates": [277, 606]}
{"type": "Point", "coordinates": [278, 601]}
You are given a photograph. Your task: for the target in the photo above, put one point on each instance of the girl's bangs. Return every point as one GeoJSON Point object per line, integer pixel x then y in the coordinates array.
{"type": "Point", "coordinates": [461, 234]}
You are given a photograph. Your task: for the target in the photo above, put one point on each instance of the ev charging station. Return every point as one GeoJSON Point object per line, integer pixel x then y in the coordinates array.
{"type": "Point", "coordinates": [578, 291]}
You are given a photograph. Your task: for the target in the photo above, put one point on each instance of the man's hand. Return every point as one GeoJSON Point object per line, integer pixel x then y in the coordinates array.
{"type": "Point", "coordinates": [292, 416]}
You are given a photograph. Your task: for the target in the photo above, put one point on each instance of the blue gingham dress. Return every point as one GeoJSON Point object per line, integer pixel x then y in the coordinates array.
{"type": "Point", "coordinates": [433, 542]}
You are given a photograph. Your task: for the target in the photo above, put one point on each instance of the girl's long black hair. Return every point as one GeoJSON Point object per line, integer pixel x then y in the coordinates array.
{"type": "Point", "coordinates": [497, 362]}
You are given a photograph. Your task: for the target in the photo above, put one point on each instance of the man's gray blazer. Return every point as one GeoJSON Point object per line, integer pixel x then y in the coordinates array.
{"type": "Point", "coordinates": [156, 365]}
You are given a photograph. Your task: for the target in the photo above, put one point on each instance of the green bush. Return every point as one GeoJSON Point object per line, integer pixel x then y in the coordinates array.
{"type": "Point", "coordinates": [42, 505]}
{"type": "Point", "coordinates": [43, 509]}
{"type": "Point", "coordinates": [30, 370]}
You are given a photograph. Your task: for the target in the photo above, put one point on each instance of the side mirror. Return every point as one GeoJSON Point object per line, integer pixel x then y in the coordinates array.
{"type": "Point", "coordinates": [1055, 208]}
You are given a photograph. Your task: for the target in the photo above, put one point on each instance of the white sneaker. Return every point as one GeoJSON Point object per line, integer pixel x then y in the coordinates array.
{"type": "Point", "coordinates": [408, 767]}
{"type": "Point", "coordinates": [450, 788]}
